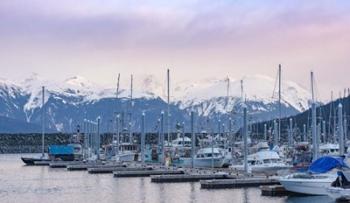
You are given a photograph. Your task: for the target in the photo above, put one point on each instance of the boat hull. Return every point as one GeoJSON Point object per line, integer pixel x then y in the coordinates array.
{"type": "Point", "coordinates": [338, 193]}
{"type": "Point", "coordinates": [125, 157]}
{"type": "Point", "coordinates": [30, 161]}
{"type": "Point", "coordinates": [307, 186]}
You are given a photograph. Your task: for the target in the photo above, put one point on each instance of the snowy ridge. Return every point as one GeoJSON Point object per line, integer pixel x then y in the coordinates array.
{"type": "Point", "coordinates": [257, 88]}
{"type": "Point", "coordinates": [187, 93]}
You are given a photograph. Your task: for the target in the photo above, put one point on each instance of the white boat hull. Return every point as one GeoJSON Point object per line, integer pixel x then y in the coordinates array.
{"type": "Point", "coordinates": [262, 168]}
{"type": "Point", "coordinates": [338, 193]}
{"type": "Point", "coordinates": [125, 157]}
{"type": "Point", "coordinates": [307, 186]}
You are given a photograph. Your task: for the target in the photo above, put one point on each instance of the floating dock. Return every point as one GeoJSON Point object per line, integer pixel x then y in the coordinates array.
{"type": "Point", "coordinates": [187, 178]}
{"type": "Point", "coordinates": [63, 164]}
{"type": "Point", "coordinates": [82, 167]}
{"type": "Point", "coordinates": [146, 173]}
{"type": "Point", "coordinates": [114, 169]}
{"type": "Point", "coordinates": [237, 183]}
{"type": "Point", "coordinates": [42, 163]}
{"type": "Point", "coordinates": [274, 190]}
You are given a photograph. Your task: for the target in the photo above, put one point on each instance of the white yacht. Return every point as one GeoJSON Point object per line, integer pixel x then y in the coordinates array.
{"type": "Point", "coordinates": [265, 161]}
{"type": "Point", "coordinates": [205, 158]}
{"type": "Point", "coordinates": [127, 153]}
{"type": "Point", "coordinates": [329, 149]}
{"type": "Point", "coordinates": [181, 142]}
{"type": "Point", "coordinates": [320, 175]}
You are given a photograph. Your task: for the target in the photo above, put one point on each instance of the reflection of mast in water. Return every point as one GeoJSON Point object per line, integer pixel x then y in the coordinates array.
{"type": "Point", "coordinates": [245, 195]}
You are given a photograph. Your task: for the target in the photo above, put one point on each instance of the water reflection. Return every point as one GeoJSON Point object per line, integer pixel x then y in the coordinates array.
{"type": "Point", "coordinates": [35, 184]}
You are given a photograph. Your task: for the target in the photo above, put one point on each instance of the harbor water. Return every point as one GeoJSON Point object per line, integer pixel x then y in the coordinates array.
{"type": "Point", "coordinates": [20, 183]}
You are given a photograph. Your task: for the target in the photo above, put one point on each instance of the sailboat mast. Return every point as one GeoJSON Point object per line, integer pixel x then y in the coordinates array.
{"type": "Point", "coordinates": [242, 90]}
{"type": "Point", "coordinates": [227, 90]}
{"type": "Point", "coordinates": [168, 105]}
{"type": "Point", "coordinates": [43, 123]}
{"type": "Point", "coordinates": [279, 100]}
{"type": "Point", "coordinates": [131, 107]}
{"type": "Point", "coordinates": [314, 124]}
{"type": "Point", "coordinates": [117, 115]}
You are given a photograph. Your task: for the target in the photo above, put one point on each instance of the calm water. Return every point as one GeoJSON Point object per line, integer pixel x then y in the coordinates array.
{"type": "Point", "coordinates": [19, 183]}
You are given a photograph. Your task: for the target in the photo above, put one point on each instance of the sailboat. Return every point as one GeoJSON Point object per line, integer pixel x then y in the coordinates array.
{"type": "Point", "coordinates": [32, 160]}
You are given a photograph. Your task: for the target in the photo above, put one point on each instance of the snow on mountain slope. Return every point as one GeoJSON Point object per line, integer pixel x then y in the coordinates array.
{"type": "Point", "coordinates": [256, 88]}
{"type": "Point", "coordinates": [76, 98]}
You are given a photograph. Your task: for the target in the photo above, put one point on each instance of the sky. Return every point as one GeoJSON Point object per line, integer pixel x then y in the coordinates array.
{"type": "Point", "coordinates": [196, 39]}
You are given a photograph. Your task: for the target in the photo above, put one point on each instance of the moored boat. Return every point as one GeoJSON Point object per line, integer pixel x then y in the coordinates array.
{"type": "Point", "coordinates": [319, 176]}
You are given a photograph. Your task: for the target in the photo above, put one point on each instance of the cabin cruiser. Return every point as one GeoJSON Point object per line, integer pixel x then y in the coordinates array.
{"type": "Point", "coordinates": [127, 152]}
{"type": "Point", "coordinates": [329, 149]}
{"type": "Point", "coordinates": [319, 176]}
{"type": "Point", "coordinates": [265, 161]}
{"type": "Point", "coordinates": [340, 188]}
{"type": "Point", "coordinates": [181, 142]}
{"type": "Point", "coordinates": [205, 158]}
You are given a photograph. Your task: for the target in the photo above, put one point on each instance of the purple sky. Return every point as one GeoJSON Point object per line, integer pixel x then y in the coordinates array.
{"type": "Point", "coordinates": [195, 39]}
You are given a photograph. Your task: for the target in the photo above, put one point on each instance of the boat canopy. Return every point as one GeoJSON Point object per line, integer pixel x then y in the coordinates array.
{"type": "Point", "coordinates": [61, 150]}
{"type": "Point", "coordinates": [327, 163]}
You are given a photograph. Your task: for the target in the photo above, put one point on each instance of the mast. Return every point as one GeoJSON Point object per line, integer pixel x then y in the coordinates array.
{"type": "Point", "coordinates": [314, 125]}
{"type": "Point", "coordinates": [279, 101]}
{"type": "Point", "coordinates": [242, 92]}
{"type": "Point", "coordinates": [168, 106]}
{"type": "Point", "coordinates": [330, 117]}
{"type": "Point", "coordinates": [227, 91]}
{"type": "Point", "coordinates": [43, 123]}
{"type": "Point", "coordinates": [131, 107]}
{"type": "Point", "coordinates": [116, 139]}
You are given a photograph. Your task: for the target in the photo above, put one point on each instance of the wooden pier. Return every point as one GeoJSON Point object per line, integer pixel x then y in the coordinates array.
{"type": "Point", "coordinates": [237, 183]}
{"type": "Point", "coordinates": [187, 178]}
{"type": "Point", "coordinates": [146, 173]}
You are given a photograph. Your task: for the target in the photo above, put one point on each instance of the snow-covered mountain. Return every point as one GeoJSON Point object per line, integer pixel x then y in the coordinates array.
{"type": "Point", "coordinates": [71, 100]}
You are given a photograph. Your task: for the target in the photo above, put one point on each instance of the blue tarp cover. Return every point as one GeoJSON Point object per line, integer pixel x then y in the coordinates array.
{"type": "Point", "coordinates": [60, 150]}
{"type": "Point", "coordinates": [327, 163]}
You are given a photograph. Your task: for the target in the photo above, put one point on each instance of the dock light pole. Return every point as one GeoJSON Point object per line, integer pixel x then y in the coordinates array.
{"type": "Point", "coordinates": [245, 139]}
{"type": "Point", "coordinates": [193, 140]}
{"type": "Point", "coordinates": [143, 137]}
{"type": "Point", "coordinates": [162, 137]}
{"type": "Point", "coordinates": [265, 132]}
{"type": "Point", "coordinates": [341, 130]}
